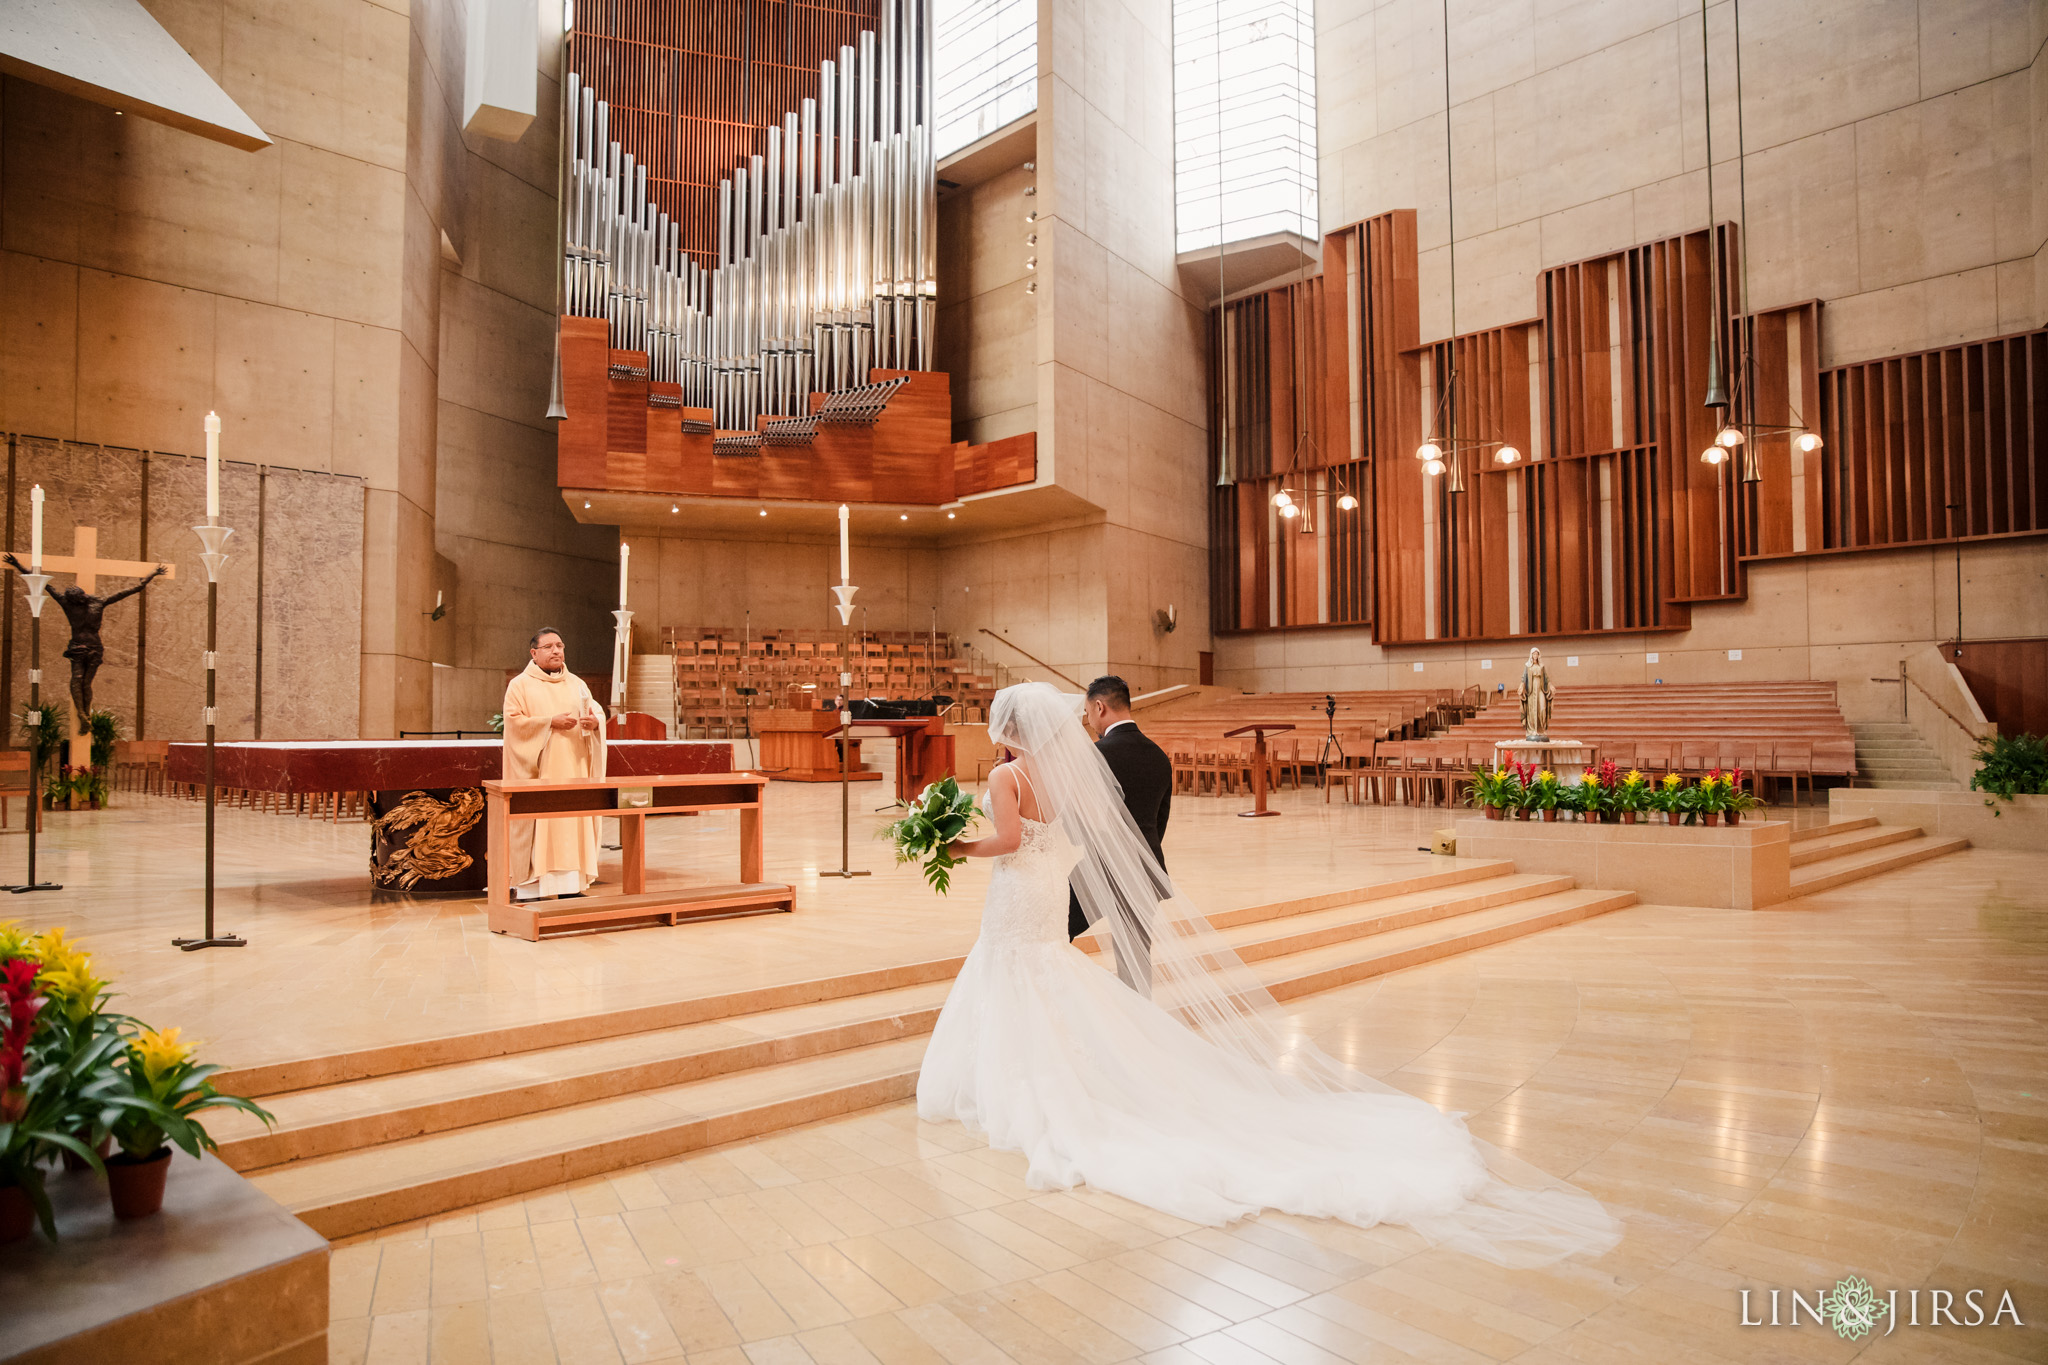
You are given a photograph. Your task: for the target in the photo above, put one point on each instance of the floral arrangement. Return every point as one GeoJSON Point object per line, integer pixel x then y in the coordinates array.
{"type": "Point", "coordinates": [1545, 791]}
{"type": "Point", "coordinates": [74, 1074]}
{"type": "Point", "coordinates": [941, 814]}
{"type": "Point", "coordinates": [1494, 789]}
{"type": "Point", "coordinates": [1632, 795]}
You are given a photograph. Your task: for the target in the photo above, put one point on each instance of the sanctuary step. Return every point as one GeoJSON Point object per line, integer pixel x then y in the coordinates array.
{"type": "Point", "coordinates": [376, 1138]}
{"type": "Point", "coordinates": [1869, 849]}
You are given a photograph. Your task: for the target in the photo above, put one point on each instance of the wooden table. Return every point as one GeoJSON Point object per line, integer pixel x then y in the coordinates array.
{"type": "Point", "coordinates": [797, 746]}
{"type": "Point", "coordinates": [1258, 732]}
{"type": "Point", "coordinates": [1554, 754]}
{"type": "Point", "coordinates": [632, 800]}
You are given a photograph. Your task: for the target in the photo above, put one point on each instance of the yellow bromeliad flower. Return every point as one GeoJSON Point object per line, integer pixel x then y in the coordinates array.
{"type": "Point", "coordinates": [160, 1051]}
{"type": "Point", "coordinates": [50, 949]}
{"type": "Point", "coordinates": [1635, 778]}
{"type": "Point", "coordinates": [1546, 776]}
{"type": "Point", "coordinates": [1589, 778]}
{"type": "Point", "coordinates": [13, 941]}
{"type": "Point", "coordinates": [72, 988]}
{"type": "Point", "coordinates": [1672, 781]}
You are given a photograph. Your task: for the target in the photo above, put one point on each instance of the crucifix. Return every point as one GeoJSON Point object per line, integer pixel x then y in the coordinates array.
{"type": "Point", "coordinates": [83, 609]}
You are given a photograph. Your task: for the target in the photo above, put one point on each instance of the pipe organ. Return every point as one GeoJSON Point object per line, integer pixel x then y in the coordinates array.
{"type": "Point", "coordinates": [827, 254]}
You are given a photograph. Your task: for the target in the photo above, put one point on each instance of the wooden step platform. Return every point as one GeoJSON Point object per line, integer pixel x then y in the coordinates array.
{"type": "Point", "coordinates": [372, 1139]}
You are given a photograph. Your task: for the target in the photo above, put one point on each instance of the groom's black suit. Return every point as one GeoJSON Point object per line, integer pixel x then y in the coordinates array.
{"type": "Point", "coordinates": [1145, 773]}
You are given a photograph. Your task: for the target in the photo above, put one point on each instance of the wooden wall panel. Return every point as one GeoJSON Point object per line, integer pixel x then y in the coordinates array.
{"type": "Point", "coordinates": [1612, 522]}
{"type": "Point", "coordinates": [2010, 680]}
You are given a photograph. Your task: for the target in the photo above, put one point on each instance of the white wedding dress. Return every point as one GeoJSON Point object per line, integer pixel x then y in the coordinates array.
{"type": "Point", "coordinates": [1049, 1054]}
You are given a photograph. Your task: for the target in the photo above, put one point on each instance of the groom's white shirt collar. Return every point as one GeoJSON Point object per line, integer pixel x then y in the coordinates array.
{"type": "Point", "coordinates": [1107, 728]}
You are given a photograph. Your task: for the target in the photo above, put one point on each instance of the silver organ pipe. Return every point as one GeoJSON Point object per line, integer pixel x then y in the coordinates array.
{"type": "Point", "coordinates": [827, 245]}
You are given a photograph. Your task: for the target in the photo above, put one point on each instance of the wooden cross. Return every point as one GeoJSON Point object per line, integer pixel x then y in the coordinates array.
{"type": "Point", "coordinates": [85, 564]}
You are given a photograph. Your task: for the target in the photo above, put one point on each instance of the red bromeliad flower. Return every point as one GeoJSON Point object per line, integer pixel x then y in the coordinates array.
{"type": "Point", "coordinates": [17, 985]}
{"type": "Point", "coordinates": [1608, 772]}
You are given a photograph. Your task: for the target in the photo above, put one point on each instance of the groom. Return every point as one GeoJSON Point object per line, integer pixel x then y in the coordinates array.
{"type": "Point", "coordinates": [1145, 773]}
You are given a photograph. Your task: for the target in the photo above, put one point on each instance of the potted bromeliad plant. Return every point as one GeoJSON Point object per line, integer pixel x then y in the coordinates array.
{"type": "Point", "coordinates": [1544, 793]}
{"type": "Point", "coordinates": [1665, 798]}
{"type": "Point", "coordinates": [1592, 797]}
{"type": "Point", "coordinates": [1632, 796]}
{"type": "Point", "coordinates": [1490, 791]}
{"type": "Point", "coordinates": [166, 1088]}
{"type": "Point", "coordinates": [75, 1075]}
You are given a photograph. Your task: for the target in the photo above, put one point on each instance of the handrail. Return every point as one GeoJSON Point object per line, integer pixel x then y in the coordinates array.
{"type": "Point", "coordinates": [1029, 655]}
{"type": "Point", "coordinates": [1943, 709]}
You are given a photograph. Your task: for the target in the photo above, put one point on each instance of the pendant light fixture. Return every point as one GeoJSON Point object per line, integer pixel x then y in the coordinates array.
{"type": "Point", "coordinates": [1735, 396]}
{"type": "Point", "coordinates": [1441, 452]}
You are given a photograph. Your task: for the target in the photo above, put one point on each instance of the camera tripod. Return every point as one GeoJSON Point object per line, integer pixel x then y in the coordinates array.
{"type": "Point", "coordinates": [1331, 744]}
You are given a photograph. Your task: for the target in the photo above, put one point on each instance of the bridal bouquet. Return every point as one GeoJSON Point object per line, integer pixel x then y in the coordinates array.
{"type": "Point", "coordinates": [941, 813]}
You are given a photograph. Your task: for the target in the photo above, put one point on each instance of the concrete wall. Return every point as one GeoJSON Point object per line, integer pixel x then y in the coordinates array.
{"type": "Point", "coordinates": [147, 275]}
{"type": "Point", "coordinates": [1895, 151]}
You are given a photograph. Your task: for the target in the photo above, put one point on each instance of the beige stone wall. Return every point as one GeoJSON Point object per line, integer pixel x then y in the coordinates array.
{"type": "Point", "coordinates": [987, 337]}
{"type": "Point", "coordinates": [304, 291]}
{"type": "Point", "coordinates": [683, 582]}
{"type": "Point", "coordinates": [1894, 170]}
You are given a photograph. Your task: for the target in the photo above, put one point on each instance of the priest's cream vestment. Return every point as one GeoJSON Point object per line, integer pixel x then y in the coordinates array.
{"type": "Point", "coordinates": [552, 857]}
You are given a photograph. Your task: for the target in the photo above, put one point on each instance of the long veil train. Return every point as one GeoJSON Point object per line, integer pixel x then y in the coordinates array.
{"type": "Point", "coordinates": [1502, 1208]}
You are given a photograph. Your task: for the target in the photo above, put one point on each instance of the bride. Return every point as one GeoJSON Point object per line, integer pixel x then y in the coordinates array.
{"type": "Point", "coordinates": [1204, 1101]}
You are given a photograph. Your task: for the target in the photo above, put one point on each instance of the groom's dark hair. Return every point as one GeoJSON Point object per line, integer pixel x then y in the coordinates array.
{"type": "Point", "coordinates": [1112, 689]}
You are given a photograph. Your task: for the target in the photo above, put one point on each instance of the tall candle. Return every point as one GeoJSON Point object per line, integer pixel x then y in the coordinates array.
{"type": "Point", "coordinates": [35, 543]}
{"type": "Point", "coordinates": [624, 552]}
{"type": "Point", "coordinates": [845, 562]}
{"type": "Point", "coordinates": [212, 466]}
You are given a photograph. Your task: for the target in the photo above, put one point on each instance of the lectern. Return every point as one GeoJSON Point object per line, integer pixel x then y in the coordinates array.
{"type": "Point", "coordinates": [1258, 732]}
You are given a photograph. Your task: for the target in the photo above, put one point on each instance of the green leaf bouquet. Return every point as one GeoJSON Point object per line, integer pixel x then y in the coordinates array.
{"type": "Point", "coordinates": [940, 814]}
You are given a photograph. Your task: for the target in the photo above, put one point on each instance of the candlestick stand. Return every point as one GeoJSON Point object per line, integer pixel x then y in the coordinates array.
{"type": "Point", "coordinates": [622, 656]}
{"type": "Point", "coordinates": [844, 592]}
{"type": "Point", "coordinates": [36, 583]}
{"type": "Point", "coordinates": [213, 536]}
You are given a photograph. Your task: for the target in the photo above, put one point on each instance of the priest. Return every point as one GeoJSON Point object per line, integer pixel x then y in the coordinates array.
{"type": "Point", "coordinates": [554, 730]}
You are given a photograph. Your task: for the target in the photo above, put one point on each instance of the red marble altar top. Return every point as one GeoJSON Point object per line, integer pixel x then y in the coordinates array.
{"type": "Point", "coordinates": [365, 765]}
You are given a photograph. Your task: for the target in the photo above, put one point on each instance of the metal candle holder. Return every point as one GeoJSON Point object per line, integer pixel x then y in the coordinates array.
{"type": "Point", "coordinates": [213, 536]}
{"type": "Point", "coordinates": [622, 641]}
{"type": "Point", "coordinates": [35, 582]}
{"type": "Point", "coordinates": [844, 592]}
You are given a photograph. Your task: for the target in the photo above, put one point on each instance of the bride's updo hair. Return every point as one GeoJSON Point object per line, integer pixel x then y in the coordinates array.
{"type": "Point", "coordinates": [1025, 716]}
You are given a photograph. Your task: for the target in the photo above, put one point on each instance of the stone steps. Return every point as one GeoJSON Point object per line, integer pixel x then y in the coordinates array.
{"type": "Point", "coordinates": [376, 1138]}
{"type": "Point", "coordinates": [1841, 843]}
{"type": "Point", "coordinates": [1913, 846]}
{"type": "Point", "coordinates": [1891, 754]}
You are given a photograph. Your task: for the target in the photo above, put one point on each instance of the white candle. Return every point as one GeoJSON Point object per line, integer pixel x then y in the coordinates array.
{"type": "Point", "coordinates": [212, 466]}
{"type": "Point", "coordinates": [845, 562]}
{"type": "Point", "coordinates": [35, 543]}
{"type": "Point", "coordinates": [624, 551]}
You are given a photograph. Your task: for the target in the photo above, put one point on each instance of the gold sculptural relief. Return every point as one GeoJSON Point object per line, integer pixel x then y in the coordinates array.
{"type": "Point", "coordinates": [435, 851]}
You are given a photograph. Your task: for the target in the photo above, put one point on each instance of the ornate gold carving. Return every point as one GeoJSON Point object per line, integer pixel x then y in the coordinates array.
{"type": "Point", "coordinates": [435, 852]}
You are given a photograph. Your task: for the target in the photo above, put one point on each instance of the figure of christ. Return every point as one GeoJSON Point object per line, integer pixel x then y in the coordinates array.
{"type": "Point", "coordinates": [554, 729]}
{"type": "Point", "coordinates": [84, 611]}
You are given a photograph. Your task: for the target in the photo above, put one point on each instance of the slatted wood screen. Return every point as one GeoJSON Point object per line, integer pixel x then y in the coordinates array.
{"type": "Point", "coordinates": [694, 87]}
{"type": "Point", "coordinates": [1610, 522]}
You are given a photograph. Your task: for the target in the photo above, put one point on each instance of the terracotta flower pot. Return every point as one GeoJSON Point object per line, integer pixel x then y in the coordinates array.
{"type": "Point", "coordinates": [1550, 814]}
{"type": "Point", "coordinates": [1734, 817]}
{"type": "Point", "coordinates": [1494, 813]}
{"type": "Point", "coordinates": [74, 1162]}
{"type": "Point", "coordinates": [1522, 813]}
{"type": "Point", "coordinates": [1710, 817]}
{"type": "Point", "coordinates": [1628, 817]}
{"type": "Point", "coordinates": [17, 1214]}
{"type": "Point", "coordinates": [135, 1185]}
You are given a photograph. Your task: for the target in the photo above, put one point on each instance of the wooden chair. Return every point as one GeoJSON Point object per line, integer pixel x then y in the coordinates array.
{"type": "Point", "coordinates": [14, 785]}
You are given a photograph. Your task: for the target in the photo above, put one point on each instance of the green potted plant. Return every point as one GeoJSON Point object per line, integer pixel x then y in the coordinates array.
{"type": "Point", "coordinates": [166, 1089]}
{"type": "Point", "coordinates": [1488, 792]}
{"type": "Point", "coordinates": [2009, 766]}
{"type": "Point", "coordinates": [53, 1077]}
{"type": "Point", "coordinates": [1713, 797]}
{"type": "Point", "coordinates": [1546, 791]}
{"type": "Point", "coordinates": [1666, 798]}
{"type": "Point", "coordinates": [1592, 797]}
{"type": "Point", "coordinates": [1632, 796]}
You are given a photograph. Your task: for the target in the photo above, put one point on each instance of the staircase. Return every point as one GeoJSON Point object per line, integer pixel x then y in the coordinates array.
{"type": "Point", "coordinates": [370, 1139]}
{"type": "Point", "coordinates": [1892, 754]}
{"type": "Point", "coordinates": [651, 687]}
{"type": "Point", "coordinates": [1827, 856]}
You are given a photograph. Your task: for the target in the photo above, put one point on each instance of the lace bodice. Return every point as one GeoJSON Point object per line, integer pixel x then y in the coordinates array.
{"type": "Point", "coordinates": [1027, 894]}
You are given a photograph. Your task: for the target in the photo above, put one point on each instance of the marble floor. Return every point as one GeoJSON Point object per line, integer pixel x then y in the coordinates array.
{"type": "Point", "coordinates": [333, 967]}
{"type": "Point", "coordinates": [1854, 1084]}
